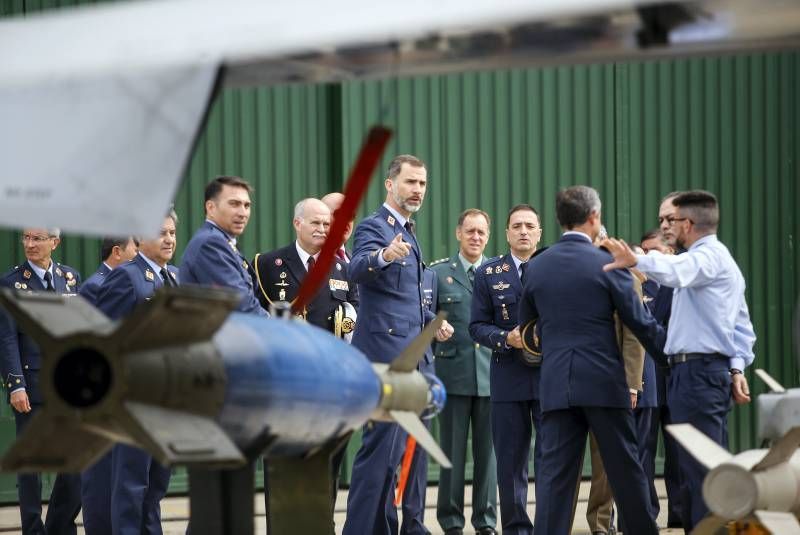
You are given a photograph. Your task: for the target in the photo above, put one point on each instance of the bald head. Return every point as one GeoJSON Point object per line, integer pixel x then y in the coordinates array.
{"type": "Point", "coordinates": [312, 219]}
{"type": "Point", "coordinates": [334, 200]}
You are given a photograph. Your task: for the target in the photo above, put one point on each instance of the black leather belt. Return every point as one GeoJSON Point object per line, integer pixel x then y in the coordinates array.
{"type": "Point", "coordinates": [680, 358]}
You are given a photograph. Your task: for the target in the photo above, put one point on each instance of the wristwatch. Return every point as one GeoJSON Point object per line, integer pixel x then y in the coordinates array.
{"type": "Point", "coordinates": [734, 371]}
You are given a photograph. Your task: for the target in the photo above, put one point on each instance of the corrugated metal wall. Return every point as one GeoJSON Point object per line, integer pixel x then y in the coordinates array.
{"type": "Point", "coordinates": [634, 131]}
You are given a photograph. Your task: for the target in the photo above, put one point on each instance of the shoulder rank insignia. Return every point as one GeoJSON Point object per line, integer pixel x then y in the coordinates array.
{"type": "Point", "coordinates": [278, 262]}
{"type": "Point", "coordinates": [498, 269]}
{"type": "Point", "coordinates": [500, 286]}
{"type": "Point", "coordinates": [489, 270]}
{"type": "Point", "coordinates": [390, 220]}
{"type": "Point", "coordinates": [26, 274]}
{"type": "Point", "coordinates": [335, 284]}
{"type": "Point", "coordinates": [59, 272]}
{"type": "Point", "coordinates": [505, 267]}
{"type": "Point", "coordinates": [149, 275]}
{"type": "Point", "coordinates": [69, 275]}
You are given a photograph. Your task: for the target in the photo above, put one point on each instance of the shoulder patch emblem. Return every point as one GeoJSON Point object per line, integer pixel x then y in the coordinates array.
{"type": "Point", "coordinates": [390, 220]}
{"type": "Point", "coordinates": [26, 274]}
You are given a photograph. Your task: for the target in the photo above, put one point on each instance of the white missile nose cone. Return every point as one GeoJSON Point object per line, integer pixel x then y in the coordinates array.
{"type": "Point", "coordinates": [730, 491]}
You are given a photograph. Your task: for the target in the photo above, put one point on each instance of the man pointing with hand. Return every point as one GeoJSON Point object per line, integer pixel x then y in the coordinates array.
{"type": "Point", "coordinates": [387, 265]}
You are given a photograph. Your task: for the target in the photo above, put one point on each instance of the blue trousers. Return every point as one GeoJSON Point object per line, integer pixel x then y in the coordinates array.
{"type": "Point", "coordinates": [65, 498]}
{"type": "Point", "coordinates": [699, 393]}
{"type": "Point", "coordinates": [96, 496]}
{"type": "Point", "coordinates": [564, 434]}
{"type": "Point", "coordinates": [370, 507]}
{"type": "Point", "coordinates": [512, 426]}
{"type": "Point", "coordinates": [138, 485]}
{"type": "Point", "coordinates": [414, 495]}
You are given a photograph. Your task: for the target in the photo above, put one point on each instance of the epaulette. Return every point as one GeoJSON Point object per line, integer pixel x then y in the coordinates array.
{"type": "Point", "coordinates": [440, 261]}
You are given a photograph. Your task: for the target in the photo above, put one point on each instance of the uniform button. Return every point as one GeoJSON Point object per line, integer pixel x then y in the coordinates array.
{"type": "Point", "coordinates": [498, 344]}
{"type": "Point", "coordinates": [370, 269]}
{"type": "Point", "coordinates": [502, 333]}
{"type": "Point", "coordinates": [477, 346]}
{"type": "Point", "coordinates": [17, 381]}
{"type": "Point", "coordinates": [26, 366]}
{"type": "Point", "coordinates": [404, 263]}
{"type": "Point", "coordinates": [448, 299]}
{"type": "Point", "coordinates": [390, 331]}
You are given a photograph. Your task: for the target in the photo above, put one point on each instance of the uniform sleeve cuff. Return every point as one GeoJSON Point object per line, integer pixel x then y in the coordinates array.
{"type": "Point", "coordinates": [382, 263]}
{"type": "Point", "coordinates": [738, 363]}
{"type": "Point", "coordinates": [633, 391]}
{"type": "Point", "coordinates": [22, 389]}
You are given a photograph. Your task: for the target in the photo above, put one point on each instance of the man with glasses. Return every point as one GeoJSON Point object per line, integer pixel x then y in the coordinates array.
{"type": "Point", "coordinates": [21, 361]}
{"type": "Point", "coordinates": [710, 337]}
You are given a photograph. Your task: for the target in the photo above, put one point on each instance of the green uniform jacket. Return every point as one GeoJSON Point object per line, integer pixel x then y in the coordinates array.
{"type": "Point", "coordinates": [461, 364]}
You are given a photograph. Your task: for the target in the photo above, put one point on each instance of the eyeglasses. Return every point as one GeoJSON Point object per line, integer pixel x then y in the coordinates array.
{"type": "Point", "coordinates": [671, 220]}
{"type": "Point", "coordinates": [35, 239]}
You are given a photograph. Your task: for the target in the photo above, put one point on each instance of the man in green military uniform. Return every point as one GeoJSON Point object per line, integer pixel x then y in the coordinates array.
{"type": "Point", "coordinates": [463, 367]}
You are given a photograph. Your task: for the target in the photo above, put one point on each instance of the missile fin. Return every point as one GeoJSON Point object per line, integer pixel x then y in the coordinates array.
{"type": "Point", "coordinates": [35, 450]}
{"type": "Point", "coordinates": [781, 451]}
{"type": "Point", "coordinates": [706, 451]}
{"type": "Point", "coordinates": [414, 427]}
{"type": "Point", "coordinates": [178, 437]}
{"type": "Point", "coordinates": [407, 360]}
{"type": "Point", "coordinates": [46, 316]}
{"type": "Point", "coordinates": [711, 525]}
{"type": "Point", "coordinates": [779, 523]}
{"type": "Point", "coordinates": [771, 382]}
{"type": "Point", "coordinates": [176, 316]}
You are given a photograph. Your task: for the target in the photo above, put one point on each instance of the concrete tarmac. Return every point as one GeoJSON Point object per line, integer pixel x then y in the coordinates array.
{"type": "Point", "coordinates": [175, 513]}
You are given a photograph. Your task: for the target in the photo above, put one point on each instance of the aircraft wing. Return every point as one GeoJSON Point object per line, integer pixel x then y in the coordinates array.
{"type": "Point", "coordinates": [104, 111]}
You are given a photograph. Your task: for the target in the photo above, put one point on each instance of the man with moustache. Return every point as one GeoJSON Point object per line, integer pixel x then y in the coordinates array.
{"type": "Point", "coordinates": [280, 273]}
{"type": "Point", "coordinates": [334, 201]}
{"type": "Point", "coordinates": [514, 381]}
{"type": "Point", "coordinates": [583, 380]}
{"type": "Point", "coordinates": [138, 482]}
{"type": "Point", "coordinates": [20, 359]}
{"type": "Point", "coordinates": [387, 265]}
{"type": "Point", "coordinates": [212, 257]}
{"type": "Point", "coordinates": [96, 480]}
{"type": "Point", "coordinates": [710, 337]}
{"type": "Point", "coordinates": [463, 367]}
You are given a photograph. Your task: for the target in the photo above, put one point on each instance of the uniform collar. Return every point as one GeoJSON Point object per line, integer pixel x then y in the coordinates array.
{"type": "Point", "coordinates": [152, 264]}
{"type": "Point", "coordinates": [467, 264]}
{"type": "Point", "coordinates": [398, 217]}
{"type": "Point", "coordinates": [230, 238]}
{"type": "Point", "coordinates": [710, 238]}
{"type": "Point", "coordinates": [577, 233]}
{"type": "Point", "coordinates": [304, 256]}
{"type": "Point", "coordinates": [40, 272]}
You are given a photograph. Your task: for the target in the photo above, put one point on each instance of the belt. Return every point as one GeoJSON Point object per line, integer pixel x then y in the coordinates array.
{"type": "Point", "coordinates": [680, 358]}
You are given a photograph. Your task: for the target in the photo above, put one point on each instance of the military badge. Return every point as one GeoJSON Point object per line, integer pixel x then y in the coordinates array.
{"type": "Point", "coordinates": [283, 282]}
{"type": "Point", "coordinates": [69, 275]}
{"type": "Point", "coordinates": [59, 272]}
{"type": "Point", "coordinates": [338, 267]}
{"type": "Point", "coordinates": [390, 220]}
{"type": "Point", "coordinates": [504, 311]}
{"type": "Point", "coordinates": [71, 282]}
{"type": "Point", "coordinates": [24, 286]}
{"type": "Point", "coordinates": [338, 285]}
{"type": "Point", "coordinates": [348, 325]}
{"type": "Point", "coordinates": [449, 280]}
{"type": "Point", "coordinates": [149, 275]}
{"type": "Point", "coordinates": [278, 262]}
{"type": "Point", "coordinates": [500, 286]}
{"type": "Point", "coordinates": [498, 269]}
{"type": "Point", "coordinates": [26, 274]}
{"type": "Point", "coordinates": [489, 270]}
{"type": "Point", "coordinates": [505, 267]}
{"type": "Point", "coordinates": [282, 295]}
{"type": "Point", "coordinates": [232, 244]}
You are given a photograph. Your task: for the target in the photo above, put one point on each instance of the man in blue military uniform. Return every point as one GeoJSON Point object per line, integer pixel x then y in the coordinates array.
{"type": "Point", "coordinates": [583, 380]}
{"type": "Point", "coordinates": [21, 361]}
{"type": "Point", "coordinates": [710, 337]}
{"type": "Point", "coordinates": [387, 265]}
{"type": "Point", "coordinates": [138, 482]}
{"type": "Point", "coordinates": [211, 256]}
{"type": "Point", "coordinates": [463, 367]}
{"type": "Point", "coordinates": [96, 480]}
{"type": "Point", "coordinates": [514, 380]}
{"type": "Point", "coordinates": [413, 505]}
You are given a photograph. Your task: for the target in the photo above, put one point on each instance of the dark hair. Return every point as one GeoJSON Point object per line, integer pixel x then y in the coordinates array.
{"type": "Point", "coordinates": [473, 211]}
{"type": "Point", "coordinates": [215, 186]}
{"type": "Point", "coordinates": [700, 206]}
{"type": "Point", "coordinates": [519, 208]}
{"type": "Point", "coordinates": [575, 204]}
{"type": "Point", "coordinates": [397, 163]}
{"type": "Point", "coordinates": [650, 234]}
{"type": "Point", "coordinates": [109, 243]}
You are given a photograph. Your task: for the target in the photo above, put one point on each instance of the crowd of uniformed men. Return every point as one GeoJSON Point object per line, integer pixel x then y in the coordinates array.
{"type": "Point", "coordinates": [587, 337]}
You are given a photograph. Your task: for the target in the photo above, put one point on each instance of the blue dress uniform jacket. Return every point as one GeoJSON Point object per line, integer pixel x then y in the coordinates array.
{"type": "Point", "coordinates": [583, 378]}
{"type": "Point", "coordinates": [212, 259]}
{"type": "Point", "coordinates": [279, 274]}
{"type": "Point", "coordinates": [138, 483]}
{"type": "Point", "coordinates": [21, 361]}
{"type": "Point", "coordinates": [91, 286]}
{"type": "Point", "coordinates": [391, 313]}
{"type": "Point", "coordinates": [515, 408]}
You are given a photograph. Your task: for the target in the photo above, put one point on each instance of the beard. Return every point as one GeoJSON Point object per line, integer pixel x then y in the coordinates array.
{"type": "Point", "coordinates": [402, 203]}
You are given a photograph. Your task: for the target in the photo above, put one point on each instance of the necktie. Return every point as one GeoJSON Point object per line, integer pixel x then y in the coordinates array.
{"type": "Point", "coordinates": [167, 278]}
{"type": "Point", "coordinates": [340, 254]}
{"type": "Point", "coordinates": [411, 227]}
{"type": "Point", "coordinates": [310, 262]}
{"type": "Point", "coordinates": [48, 282]}
{"type": "Point", "coordinates": [522, 268]}
{"type": "Point", "coordinates": [471, 274]}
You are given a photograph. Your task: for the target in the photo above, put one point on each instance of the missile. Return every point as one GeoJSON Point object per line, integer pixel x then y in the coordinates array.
{"type": "Point", "coordinates": [761, 485]}
{"type": "Point", "coordinates": [194, 383]}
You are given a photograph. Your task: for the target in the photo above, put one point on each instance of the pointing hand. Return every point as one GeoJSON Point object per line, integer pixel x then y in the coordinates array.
{"type": "Point", "coordinates": [396, 249]}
